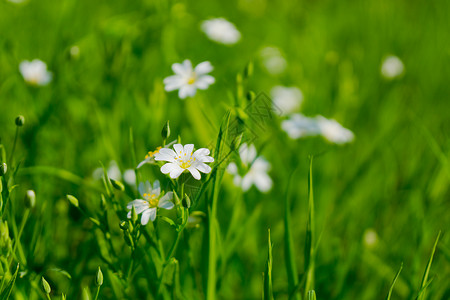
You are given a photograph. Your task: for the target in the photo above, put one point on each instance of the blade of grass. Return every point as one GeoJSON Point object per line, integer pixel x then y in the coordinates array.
{"type": "Point", "coordinates": [425, 283]}
{"type": "Point", "coordinates": [268, 289]}
{"type": "Point", "coordinates": [310, 238]}
{"type": "Point", "coordinates": [7, 291]}
{"type": "Point", "coordinates": [311, 295]}
{"type": "Point", "coordinates": [289, 250]}
{"type": "Point", "coordinates": [388, 297]}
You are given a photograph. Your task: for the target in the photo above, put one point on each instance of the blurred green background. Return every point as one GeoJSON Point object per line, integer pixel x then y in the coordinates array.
{"type": "Point", "coordinates": [392, 180]}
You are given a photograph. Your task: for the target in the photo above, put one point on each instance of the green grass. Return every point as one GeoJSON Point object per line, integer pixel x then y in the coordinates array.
{"type": "Point", "coordinates": [109, 104]}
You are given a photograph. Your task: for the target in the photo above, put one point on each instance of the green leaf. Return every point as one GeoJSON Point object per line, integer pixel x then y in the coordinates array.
{"type": "Point", "coordinates": [425, 282]}
{"type": "Point", "coordinates": [393, 282]}
{"type": "Point", "coordinates": [311, 295]}
{"type": "Point", "coordinates": [310, 238]}
{"type": "Point", "coordinates": [7, 291]}
{"type": "Point", "coordinates": [268, 290]}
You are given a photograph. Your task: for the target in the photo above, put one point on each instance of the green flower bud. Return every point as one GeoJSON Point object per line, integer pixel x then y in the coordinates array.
{"type": "Point", "coordinates": [236, 142]}
{"type": "Point", "coordinates": [134, 215]}
{"type": "Point", "coordinates": [20, 120]}
{"type": "Point", "coordinates": [117, 185]}
{"type": "Point", "coordinates": [45, 285]}
{"type": "Point", "coordinates": [74, 201]}
{"type": "Point", "coordinates": [123, 225]}
{"type": "Point", "coordinates": [186, 201]}
{"type": "Point", "coordinates": [99, 277]}
{"type": "Point", "coordinates": [30, 199]}
{"type": "Point", "coordinates": [102, 202]}
{"type": "Point", "coordinates": [165, 132]}
{"type": "Point", "coordinates": [3, 169]}
{"type": "Point", "coordinates": [248, 71]}
{"type": "Point", "coordinates": [127, 238]}
{"type": "Point", "coordinates": [63, 296]}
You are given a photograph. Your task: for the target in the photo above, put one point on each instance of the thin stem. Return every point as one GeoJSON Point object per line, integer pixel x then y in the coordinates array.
{"type": "Point", "coordinates": [11, 156]}
{"type": "Point", "coordinates": [98, 292]}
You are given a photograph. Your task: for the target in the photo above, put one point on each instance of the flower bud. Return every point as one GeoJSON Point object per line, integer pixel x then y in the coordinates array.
{"type": "Point", "coordinates": [20, 120]}
{"type": "Point", "coordinates": [102, 202]}
{"type": "Point", "coordinates": [123, 225]}
{"type": "Point", "coordinates": [134, 215]}
{"type": "Point", "coordinates": [165, 132]}
{"type": "Point", "coordinates": [127, 238]}
{"type": "Point", "coordinates": [74, 201]}
{"type": "Point", "coordinates": [186, 201]}
{"type": "Point", "coordinates": [117, 185]}
{"type": "Point", "coordinates": [45, 285]}
{"type": "Point", "coordinates": [248, 71]}
{"type": "Point", "coordinates": [30, 199]}
{"type": "Point", "coordinates": [99, 277]}
{"type": "Point", "coordinates": [3, 169]}
{"type": "Point", "coordinates": [236, 142]}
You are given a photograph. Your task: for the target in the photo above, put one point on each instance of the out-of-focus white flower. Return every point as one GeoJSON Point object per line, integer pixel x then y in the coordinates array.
{"type": "Point", "coordinates": [151, 201]}
{"type": "Point", "coordinates": [113, 172]}
{"type": "Point", "coordinates": [273, 60]}
{"type": "Point", "coordinates": [130, 177]}
{"type": "Point", "coordinates": [16, 1]}
{"type": "Point", "coordinates": [299, 126]}
{"type": "Point", "coordinates": [257, 169]}
{"type": "Point", "coordinates": [286, 100]}
{"type": "Point", "coordinates": [187, 79]}
{"type": "Point", "coordinates": [333, 131]}
{"type": "Point", "coordinates": [35, 72]}
{"type": "Point", "coordinates": [75, 51]}
{"type": "Point", "coordinates": [221, 31]}
{"type": "Point", "coordinates": [370, 238]}
{"type": "Point", "coordinates": [184, 159]}
{"type": "Point", "coordinates": [392, 67]}
{"type": "Point", "coordinates": [150, 156]}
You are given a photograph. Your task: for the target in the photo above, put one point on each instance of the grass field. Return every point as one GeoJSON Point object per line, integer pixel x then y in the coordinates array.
{"type": "Point", "coordinates": [347, 206]}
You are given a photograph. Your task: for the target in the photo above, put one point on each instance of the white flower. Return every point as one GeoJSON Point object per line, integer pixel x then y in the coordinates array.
{"type": "Point", "coordinates": [370, 238]}
{"type": "Point", "coordinates": [299, 126]}
{"type": "Point", "coordinates": [187, 80]}
{"type": "Point", "coordinates": [35, 72]}
{"type": "Point", "coordinates": [392, 67]}
{"type": "Point", "coordinates": [182, 159]}
{"type": "Point", "coordinates": [273, 60]}
{"type": "Point", "coordinates": [150, 202]}
{"type": "Point", "coordinates": [333, 131]}
{"type": "Point", "coordinates": [221, 31]}
{"type": "Point", "coordinates": [256, 173]}
{"type": "Point", "coordinates": [113, 171]}
{"type": "Point", "coordinates": [286, 99]}
{"type": "Point", "coordinates": [130, 177]}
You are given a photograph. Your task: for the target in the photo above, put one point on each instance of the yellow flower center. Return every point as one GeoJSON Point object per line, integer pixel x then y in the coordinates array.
{"type": "Point", "coordinates": [185, 161]}
{"type": "Point", "coordinates": [152, 200]}
{"type": "Point", "coordinates": [191, 80]}
{"type": "Point", "coordinates": [152, 153]}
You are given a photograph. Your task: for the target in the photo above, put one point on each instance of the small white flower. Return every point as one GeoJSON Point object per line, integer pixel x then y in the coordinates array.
{"type": "Point", "coordinates": [299, 126]}
{"type": "Point", "coordinates": [130, 177]}
{"type": "Point", "coordinates": [273, 60]}
{"type": "Point", "coordinates": [187, 79]}
{"type": "Point", "coordinates": [370, 238]}
{"type": "Point", "coordinates": [113, 172]}
{"type": "Point", "coordinates": [152, 199]}
{"type": "Point", "coordinates": [257, 171]}
{"type": "Point", "coordinates": [392, 67]}
{"type": "Point", "coordinates": [286, 99]}
{"type": "Point", "coordinates": [35, 72]}
{"type": "Point", "coordinates": [182, 159]}
{"type": "Point", "coordinates": [333, 131]}
{"type": "Point", "coordinates": [221, 31]}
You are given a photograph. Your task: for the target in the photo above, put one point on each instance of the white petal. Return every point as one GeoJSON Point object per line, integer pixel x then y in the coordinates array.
{"type": "Point", "coordinates": [178, 149]}
{"type": "Point", "coordinates": [139, 205]}
{"type": "Point", "coordinates": [203, 68]}
{"type": "Point", "coordinates": [148, 187]}
{"type": "Point", "coordinates": [186, 91]}
{"type": "Point", "coordinates": [195, 173]}
{"type": "Point", "coordinates": [173, 83]}
{"type": "Point", "coordinates": [205, 159]}
{"type": "Point", "coordinates": [204, 168]}
{"type": "Point", "coordinates": [237, 180]}
{"type": "Point", "coordinates": [165, 154]}
{"type": "Point", "coordinates": [148, 214]}
{"type": "Point", "coordinates": [263, 182]}
{"type": "Point", "coordinates": [232, 168]}
{"type": "Point", "coordinates": [165, 202]}
{"type": "Point", "coordinates": [169, 167]}
{"type": "Point", "coordinates": [201, 152]}
{"type": "Point", "coordinates": [156, 188]}
{"type": "Point", "coordinates": [204, 81]}
{"type": "Point", "coordinates": [145, 161]}
{"type": "Point", "coordinates": [188, 148]}
{"type": "Point", "coordinates": [187, 65]}
{"type": "Point", "coordinates": [141, 188]}
{"type": "Point", "coordinates": [247, 182]}
{"type": "Point", "coordinates": [174, 173]}
{"type": "Point", "coordinates": [180, 69]}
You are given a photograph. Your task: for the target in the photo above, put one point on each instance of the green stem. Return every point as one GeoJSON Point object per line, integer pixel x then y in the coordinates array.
{"type": "Point", "coordinates": [11, 156]}
{"type": "Point", "coordinates": [96, 294]}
